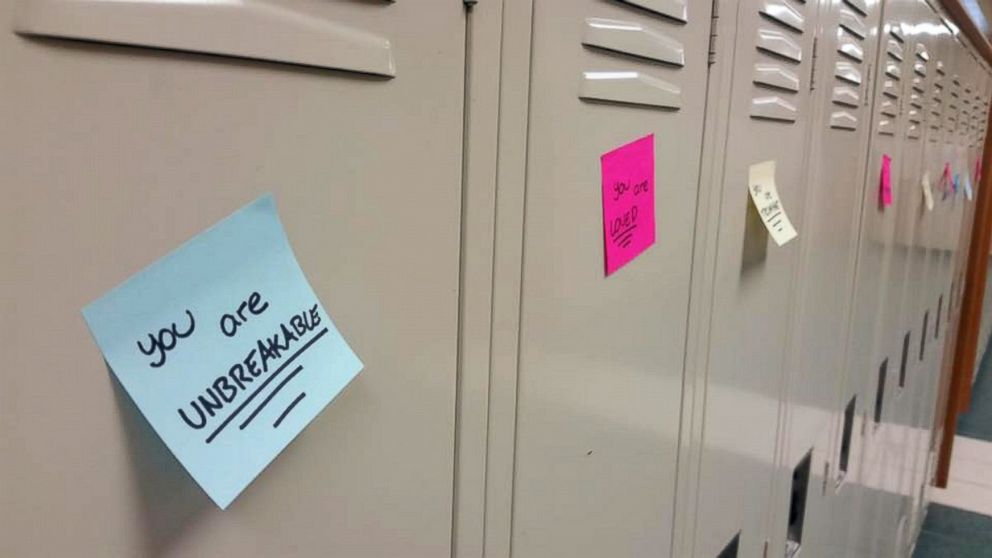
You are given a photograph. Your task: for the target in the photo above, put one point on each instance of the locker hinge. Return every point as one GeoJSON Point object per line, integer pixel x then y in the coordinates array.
{"type": "Point", "coordinates": [869, 76]}
{"type": "Point", "coordinates": [764, 552]}
{"type": "Point", "coordinates": [826, 476]}
{"type": "Point", "coordinates": [470, 3]}
{"type": "Point", "coordinates": [714, 16]}
{"type": "Point", "coordinates": [812, 66]}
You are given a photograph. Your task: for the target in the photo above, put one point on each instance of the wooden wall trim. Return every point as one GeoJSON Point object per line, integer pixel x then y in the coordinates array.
{"type": "Point", "coordinates": [959, 17]}
{"type": "Point", "coordinates": [970, 317]}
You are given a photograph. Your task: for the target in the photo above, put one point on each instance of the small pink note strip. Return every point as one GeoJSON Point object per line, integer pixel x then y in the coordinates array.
{"type": "Point", "coordinates": [885, 185]}
{"type": "Point", "coordinates": [628, 201]}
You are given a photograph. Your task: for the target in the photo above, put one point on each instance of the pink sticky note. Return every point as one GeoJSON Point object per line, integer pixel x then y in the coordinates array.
{"type": "Point", "coordinates": [628, 201]}
{"type": "Point", "coordinates": [885, 185]}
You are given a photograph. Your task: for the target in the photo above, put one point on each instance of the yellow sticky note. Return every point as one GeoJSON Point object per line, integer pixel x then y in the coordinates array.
{"type": "Point", "coordinates": [764, 195]}
{"type": "Point", "coordinates": [927, 191]}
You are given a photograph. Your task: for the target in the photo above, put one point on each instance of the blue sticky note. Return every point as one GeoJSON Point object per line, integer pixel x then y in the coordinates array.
{"type": "Point", "coordinates": [224, 348]}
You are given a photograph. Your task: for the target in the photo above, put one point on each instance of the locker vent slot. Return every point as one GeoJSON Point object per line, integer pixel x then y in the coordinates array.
{"type": "Point", "coordinates": [629, 37]}
{"type": "Point", "coordinates": [921, 52]}
{"type": "Point", "coordinates": [846, 435]}
{"type": "Point", "coordinates": [888, 108]}
{"type": "Point", "coordinates": [781, 12]}
{"type": "Point", "coordinates": [847, 71]}
{"type": "Point", "coordinates": [773, 108]}
{"type": "Point", "coordinates": [850, 48]}
{"type": "Point", "coordinates": [920, 69]}
{"type": "Point", "coordinates": [730, 551]}
{"type": "Point", "coordinates": [883, 370]}
{"type": "Point", "coordinates": [774, 75]}
{"type": "Point", "coordinates": [894, 49]}
{"type": "Point", "coordinates": [257, 30]}
{"type": "Point", "coordinates": [936, 323]}
{"type": "Point", "coordinates": [675, 9]}
{"type": "Point", "coordinates": [776, 42]}
{"type": "Point", "coordinates": [847, 96]}
{"type": "Point", "coordinates": [843, 120]}
{"type": "Point", "coordinates": [890, 89]}
{"type": "Point", "coordinates": [859, 5]}
{"type": "Point", "coordinates": [903, 363]}
{"type": "Point", "coordinates": [797, 505]}
{"type": "Point", "coordinates": [896, 31]}
{"type": "Point", "coordinates": [853, 24]}
{"type": "Point", "coordinates": [893, 71]}
{"type": "Point", "coordinates": [635, 88]}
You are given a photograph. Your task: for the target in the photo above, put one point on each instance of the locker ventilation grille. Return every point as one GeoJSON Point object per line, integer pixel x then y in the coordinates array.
{"type": "Point", "coordinates": [936, 112]}
{"type": "Point", "coordinates": [895, 54]}
{"type": "Point", "coordinates": [914, 112]}
{"type": "Point", "coordinates": [849, 67]}
{"type": "Point", "coordinates": [780, 61]}
{"type": "Point", "coordinates": [651, 45]}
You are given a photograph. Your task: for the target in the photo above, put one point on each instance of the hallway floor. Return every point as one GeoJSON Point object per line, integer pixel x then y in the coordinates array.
{"type": "Point", "coordinates": [959, 518]}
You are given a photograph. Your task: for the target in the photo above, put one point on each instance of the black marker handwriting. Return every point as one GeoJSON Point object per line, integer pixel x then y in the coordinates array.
{"type": "Point", "coordinates": [166, 340]}
{"type": "Point", "coordinates": [229, 323]}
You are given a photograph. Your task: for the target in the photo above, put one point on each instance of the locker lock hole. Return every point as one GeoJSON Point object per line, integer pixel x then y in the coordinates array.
{"type": "Point", "coordinates": [797, 505]}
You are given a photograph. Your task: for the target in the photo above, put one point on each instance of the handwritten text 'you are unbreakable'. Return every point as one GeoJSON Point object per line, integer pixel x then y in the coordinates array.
{"type": "Point", "coordinates": [226, 388]}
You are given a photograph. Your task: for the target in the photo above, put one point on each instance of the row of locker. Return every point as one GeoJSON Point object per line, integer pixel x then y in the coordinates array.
{"type": "Point", "coordinates": [436, 166]}
{"type": "Point", "coordinates": [848, 360]}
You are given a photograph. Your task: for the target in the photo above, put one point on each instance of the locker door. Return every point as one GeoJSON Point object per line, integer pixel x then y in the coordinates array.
{"type": "Point", "coordinates": [871, 362]}
{"type": "Point", "coordinates": [937, 159]}
{"type": "Point", "coordinates": [601, 357]}
{"type": "Point", "coordinates": [769, 106]}
{"type": "Point", "coordinates": [350, 113]}
{"type": "Point", "coordinates": [839, 131]}
{"type": "Point", "coordinates": [918, 381]}
{"type": "Point", "coordinates": [947, 217]}
{"type": "Point", "coordinates": [902, 326]}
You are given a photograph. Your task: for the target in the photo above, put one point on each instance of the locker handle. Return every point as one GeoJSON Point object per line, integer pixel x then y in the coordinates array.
{"type": "Point", "coordinates": [253, 29]}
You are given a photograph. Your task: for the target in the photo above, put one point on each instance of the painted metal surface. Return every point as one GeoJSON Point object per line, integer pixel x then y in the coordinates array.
{"type": "Point", "coordinates": [819, 318]}
{"type": "Point", "coordinates": [223, 27]}
{"type": "Point", "coordinates": [601, 357]}
{"type": "Point", "coordinates": [132, 152]}
{"type": "Point", "coordinates": [748, 326]}
{"type": "Point", "coordinates": [516, 400]}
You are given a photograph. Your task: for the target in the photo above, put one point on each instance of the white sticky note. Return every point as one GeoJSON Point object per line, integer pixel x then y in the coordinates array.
{"type": "Point", "coordinates": [764, 194]}
{"type": "Point", "coordinates": [927, 191]}
{"type": "Point", "coordinates": [968, 193]}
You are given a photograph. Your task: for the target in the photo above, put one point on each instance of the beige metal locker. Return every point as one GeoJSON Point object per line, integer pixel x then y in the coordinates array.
{"type": "Point", "coordinates": [115, 155]}
{"type": "Point", "coordinates": [872, 364]}
{"type": "Point", "coordinates": [601, 357]}
{"type": "Point", "coordinates": [763, 60]}
{"type": "Point", "coordinates": [840, 128]}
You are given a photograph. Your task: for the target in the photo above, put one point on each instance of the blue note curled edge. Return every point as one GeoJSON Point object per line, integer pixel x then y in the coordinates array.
{"type": "Point", "coordinates": [225, 348]}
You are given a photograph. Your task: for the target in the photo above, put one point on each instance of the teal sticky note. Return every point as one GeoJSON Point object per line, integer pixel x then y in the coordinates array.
{"type": "Point", "coordinates": [225, 348]}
